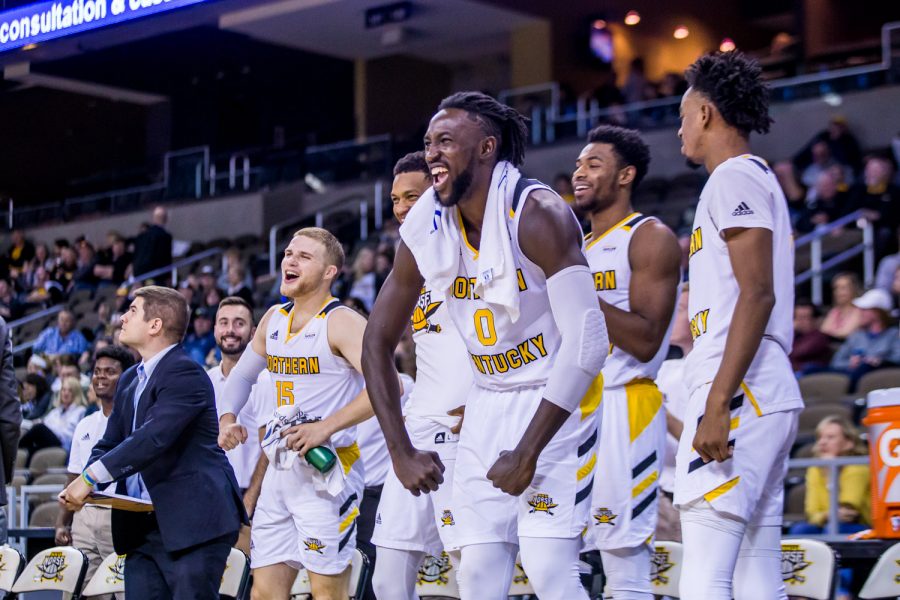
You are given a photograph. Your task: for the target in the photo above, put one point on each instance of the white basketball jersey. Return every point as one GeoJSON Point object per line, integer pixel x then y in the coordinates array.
{"type": "Point", "coordinates": [443, 376]}
{"type": "Point", "coordinates": [506, 355]}
{"type": "Point", "coordinates": [305, 371]}
{"type": "Point", "coordinates": [607, 256]}
{"type": "Point", "coordinates": [742, 192]}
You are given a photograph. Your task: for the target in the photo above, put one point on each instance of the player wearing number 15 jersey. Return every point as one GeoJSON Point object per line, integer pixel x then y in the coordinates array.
{"type": "Point", "coordinates": [506, 251]}
{"type": "Point", "coordinates": [311, 347]}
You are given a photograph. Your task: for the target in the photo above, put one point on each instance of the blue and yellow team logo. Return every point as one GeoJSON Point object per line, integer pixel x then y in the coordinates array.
{"type": "Point", "coordinates": [793, 563]}
{"type": "Point", "coordinates": [447, 519]}
{"type": "Point", "coordinates": [604, 516]}
{"type": "Point", "coordinates": [116, 570]}
{"type": "Point", "coordinates": [897, 577]}
{"type": "Point", "coordinates": [52, 567]}
{"type": "Point", "coordinates": [520, 577]}
{"type": "Point", "coordinates": [660, 563]}
{"type": "Point", "coordinates": [542, 503]}
{"type": "Point", "coordinates": [425, 309]}
{"type": "Point", "coordinates": [314, 545]}
{"type": "Point", "coordinates": [434, 569]}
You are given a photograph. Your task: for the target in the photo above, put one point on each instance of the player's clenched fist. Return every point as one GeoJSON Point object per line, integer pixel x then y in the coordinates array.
{"type": "Point", "coordinates": [232, 435]}
{"type": "Point", "coordinates": [711, 439]}
{"type": "Point", "coordinates": [419, 471]}
{"type": "Point", "coordinates": [512, 472]}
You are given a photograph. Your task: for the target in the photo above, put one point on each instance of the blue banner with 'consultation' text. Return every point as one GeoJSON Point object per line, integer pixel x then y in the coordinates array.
{"type": "Point", "coordinates": [48, 20]}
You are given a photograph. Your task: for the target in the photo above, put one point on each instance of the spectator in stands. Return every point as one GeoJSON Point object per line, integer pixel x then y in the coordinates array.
{"type": "Point", "coordinates": [91, 528]}
{"type": "Point", "coordinates": [45, 291]}
{"type": "Point", "coordinates": [9, 307]}
{"type": "Point", "coordinates": [62, 339]}
{"type": "Point", "coordinates": [10, 421]}
{"type": "Point", "coordinates": [114, 263]}
{"type": "Point", "coordinates": [562, 185]}
{"type": "Point", "coordinates": [84, 278]}
{"type": "Point", "coordinates": [36, 397]}
{"type": "Point", "coordinates": [887, 268]}
{"type": "Point", "coordinates": [874, 344]}
{"type": "Point", "coordinates": [237, 284]}
{"type": "Point", "coordinates": [21, 251]}
{"type": "Point", "coordinates": [153, 246]}
{"type": "Point", "coordinates": [64, 274]}
{"type": "Point", "coordinates": [37, 365]}
{"type": "Point", "coordinates": [812, 348]}
{"type": "Point", "coordinates": [822, 160]}
{"type": "Point", "coordinates": [200, 340]}
{"type": "Point", "coordinates": [879, 197]}
{"type": "Point", "coordinates": [42, 257]}
{"type": "Point", "coordinates": [827, 201]}
{"type": "Point", "coordinates": [839, 141]}
{"type": "Point", "coordinates": [230, 257]}
{"type": "Point", "coordinates": [212, 298]}
{"type": "Point", "coordinates": [66, 366]}
{"type": "Point", "coordinates": [364, 285]}
{"type": "Point", "coordinates": [57, 428]}
{"type": "Point", "coordinates": [844, 317]}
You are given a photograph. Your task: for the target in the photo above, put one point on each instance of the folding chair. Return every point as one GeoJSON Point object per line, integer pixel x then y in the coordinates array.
{"type": "Point", "coordinates": [665, 568]}
{"type": "Point", "coordinates": [359, 573]}
{"type": "Point", "coordinates": [236, 578]}
{"type": "Point", "coordinates": [109, 577]}
{"type": "Point", "coordinates": [807, 567]}
{"type": "Point", "coordinates": [437, 577]}
{"type": "Point", "coordinates": [11, 565]}
{"type": "Point", "coordinates": [59, 569]}
{"type": "Point", "coordinates": [884, 580]}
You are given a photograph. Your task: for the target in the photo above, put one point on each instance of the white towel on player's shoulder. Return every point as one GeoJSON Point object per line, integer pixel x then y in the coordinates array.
{"type": "Point", "coordinates": [432, 233]}
{"type": "Point", "coordinates": [283, 458]}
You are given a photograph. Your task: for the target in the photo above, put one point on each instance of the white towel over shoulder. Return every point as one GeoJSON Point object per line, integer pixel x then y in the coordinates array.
{"type": "Point", "coordinates": [432, 233]}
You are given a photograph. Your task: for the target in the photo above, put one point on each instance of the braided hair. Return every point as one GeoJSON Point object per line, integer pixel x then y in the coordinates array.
{"type": "Point", "coordinates": [497, 120]}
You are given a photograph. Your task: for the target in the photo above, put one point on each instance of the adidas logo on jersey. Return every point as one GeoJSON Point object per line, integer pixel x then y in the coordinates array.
{"type": "Point", "coordinates": [274, 335]}
{"type": "Point", "coordinates": [86, 437]}
{"type": "Point", "coordinates": [742, 210]}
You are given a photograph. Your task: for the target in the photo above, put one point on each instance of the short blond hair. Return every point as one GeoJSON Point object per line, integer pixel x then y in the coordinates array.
{"type": "Point", "coordinates": [334, 251]}
{"type": "Point", "coordinates": [848, 430]}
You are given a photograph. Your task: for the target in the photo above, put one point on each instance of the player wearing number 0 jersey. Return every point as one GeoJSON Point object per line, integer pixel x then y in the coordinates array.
{"type": "Point", "coordinates": [311, 348]}
{"type": "Point", "coordinates": [634, 260]}
{"type": "Point", "coordinates": [741, 417]}
{"type": "Point", "coordinates": [507, 250]}
{"type": "Point", "coordinates": [408, 527]}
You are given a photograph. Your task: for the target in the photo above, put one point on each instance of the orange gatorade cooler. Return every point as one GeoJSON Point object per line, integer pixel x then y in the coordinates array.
{"type": "Point", "coordinates": [883, 421]}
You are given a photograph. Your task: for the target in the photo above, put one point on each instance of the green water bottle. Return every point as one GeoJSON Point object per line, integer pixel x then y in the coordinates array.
{"type": "Point", "coordinates": [321, 458]}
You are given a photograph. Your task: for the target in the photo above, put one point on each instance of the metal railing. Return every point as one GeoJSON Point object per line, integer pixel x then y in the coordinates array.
{"type": "Point", "coordinates": [819, 266]}
{"type": "Point", "coordinates": [172, 269]}
{"type": "Point", "coordinates": [833, 465]}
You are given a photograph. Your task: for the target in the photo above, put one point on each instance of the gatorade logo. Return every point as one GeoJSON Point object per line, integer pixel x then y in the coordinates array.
{"type": "Point", "coordinates": [888, 448]}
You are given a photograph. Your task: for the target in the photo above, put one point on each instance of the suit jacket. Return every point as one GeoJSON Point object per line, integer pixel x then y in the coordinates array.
{"type": "Point", "coordinates": [152, 250]}
{"type": "Point", "coordinates": [10, 411]}
{"type": "Point", "coordinates": [174, 447]}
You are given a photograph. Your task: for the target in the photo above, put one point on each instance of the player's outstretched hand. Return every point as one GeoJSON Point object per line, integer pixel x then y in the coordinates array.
{"type": "Point", "coordinates": [420, 472]}
{"type": "Point", "coordinates": [512, 472]}
{"type": "Point", "coordinates": [306, 436]}
{"type": "Point", "coordinates": [711, 439]}
{"type": "Point", "coordinates": [230, 436]}
{"type": "Point", "coordinates": [459, 411]}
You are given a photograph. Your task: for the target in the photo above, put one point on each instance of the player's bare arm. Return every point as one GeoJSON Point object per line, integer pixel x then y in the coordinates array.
{"type": "Point", "coordinates": [418, 471]}
{"type": "Point", "coordinates": [232, 433]}
{"type": "Point", "coordinates": [550, 238]}
{"type": "Point", "coordinates": [655, 259]}
{"type": "Point", "coordinates": [750, 253]}
{"type": "Point", "coordinates": [345, 335]}
{"type": "Point", "coordinates": [251, 496]}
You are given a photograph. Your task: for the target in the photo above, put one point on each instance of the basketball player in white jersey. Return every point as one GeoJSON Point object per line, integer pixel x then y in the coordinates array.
{"type": "Point", "coordinates": [635, 261]}
{"type": "Point", "coordinates": [523, 473]}
{"type": "Point", "coordinates": [741, 418]}
{"type": "Point", "coordinates": [311, 347]}
{"type": "Point", "coordinates": [409, 527]}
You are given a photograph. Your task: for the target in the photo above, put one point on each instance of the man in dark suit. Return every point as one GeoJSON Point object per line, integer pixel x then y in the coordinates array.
{"type": "Point", "coordinates": [153, 246]}
{"type": "Point", "coordinates": [161, 445]}
{"type": "Point", "coordinates": [10, 420]}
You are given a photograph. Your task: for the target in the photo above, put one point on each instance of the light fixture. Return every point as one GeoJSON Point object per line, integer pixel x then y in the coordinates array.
{"type": "Point", "coordinates": [632, 17]}
{"type": "Point", "coordinates": [599, 24]}
{"type": "Point", "coordinates": [727, 45]}
{"type": "Point", "coordinates": [681, 32]}
{"type": "Point", "coordinates": [31, 46]}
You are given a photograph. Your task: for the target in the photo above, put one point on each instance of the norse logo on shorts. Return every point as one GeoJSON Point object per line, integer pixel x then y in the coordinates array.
{"type": "Point", "coordinates": [433, 569]}
{"type": "Point", "coordinates": [51, 569]}
{"type": "Point", "coordinates": [314, 545]}
{"type": "Point", "coordinates": [425, 308]}
{"type": "Point", "coordinates": [521, 576]}
{"type": "Point", "coordinates": [542, 503]}
{"type": "Point", "coordinates": [604, 516]}
{"type": "Point", "coordinates": [447, 519]}
{"type": "Point", "coordinates": [117, 570]}
{"type": "Point", "coordinates": [793, 562]}
{"type": "Point", "coordinates": [659, 564]}
{"type": "Point", "coordinates": [896, 577]}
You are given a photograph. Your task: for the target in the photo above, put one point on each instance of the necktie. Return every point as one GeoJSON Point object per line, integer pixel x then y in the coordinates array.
{"type": "Point", "coordinates": [134, 484]}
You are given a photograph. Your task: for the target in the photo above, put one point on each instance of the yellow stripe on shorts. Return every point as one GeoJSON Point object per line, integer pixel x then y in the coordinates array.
{"type": "Point", "coordinates": [644, 402]}
{"type": "Point", "coordinates": [721, 490]}
{"type": "Point", "coordinates": [588, 467]}
{"type": "Point", "coordinates": [592, 399]}
{"type": "Point", "coordinates": [348, 455]}
{"type": "Point", "coordinates": [348, 520]}
{"type": "Point", "coordinates": [647, 482]}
